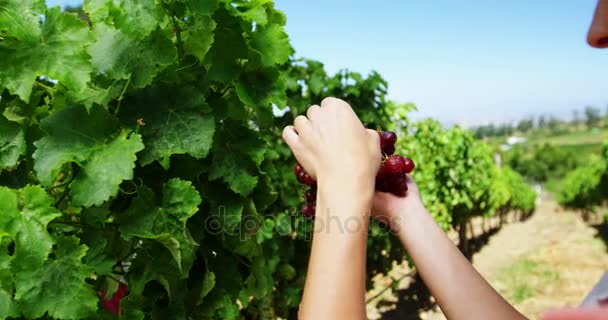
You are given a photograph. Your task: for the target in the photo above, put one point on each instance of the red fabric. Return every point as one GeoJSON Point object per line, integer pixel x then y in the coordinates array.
{"type": "Point", "coordinates": [113, 304]}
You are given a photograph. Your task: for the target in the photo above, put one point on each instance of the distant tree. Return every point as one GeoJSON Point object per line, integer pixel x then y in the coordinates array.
{"type": "Point", "coordinates": [506, 129]}
{"type": "Point", "coordinates": [553, 123]}
{"type": "Point", "coordinates": [576, 119]}
{"type": "Point", "coordinates": [592, 116]}
{"type": "Point", "coordinates": [542, 122]}
{"type": "Point", "coordinates": [525, 125]}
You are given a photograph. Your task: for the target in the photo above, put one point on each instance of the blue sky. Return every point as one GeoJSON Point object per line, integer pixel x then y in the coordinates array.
{"type": "Point", "coordinates": [464, 62]}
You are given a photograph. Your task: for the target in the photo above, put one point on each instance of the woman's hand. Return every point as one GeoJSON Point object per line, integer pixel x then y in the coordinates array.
{"type": "Point", "coordinates": [332, 143]}
{"type": "Point", "coordinates": [392, 209]}
{"type": "Point", "coordinates": [332, 146]}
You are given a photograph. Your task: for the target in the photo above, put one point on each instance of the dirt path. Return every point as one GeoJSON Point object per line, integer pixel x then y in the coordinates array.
{"type": "Point", "coordinates": [552, 259]}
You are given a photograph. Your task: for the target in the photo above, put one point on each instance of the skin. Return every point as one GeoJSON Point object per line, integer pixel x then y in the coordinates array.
{"type": "Point", "coordinates": [319, 142]}
{"type": "Point", "coordinates": [335, 283]}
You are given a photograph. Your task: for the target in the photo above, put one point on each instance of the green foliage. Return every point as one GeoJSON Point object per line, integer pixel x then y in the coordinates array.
{"type": "Point", "coordinates": [138, 143]}
{"type": "Point", "coordinates": [586, 187]}
{"type": "Point", "coordinates": [512, 191]}
{"type": "Point", "coordinates": [135, 126]}
{"type": "Point", "coordinates": [456, 178]}
{"type": "Point", "coordinates": [541, 162]}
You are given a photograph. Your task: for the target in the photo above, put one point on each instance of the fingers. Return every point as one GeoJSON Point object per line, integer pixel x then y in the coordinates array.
{"type": "Point", "coordinates": [331, 101]}
{"type": "Point", "coordinates": [313, 111]}
{"type": "Point", "coordinates": [302, 125]}
{"type": "Point", "coordinates": [291, 138]}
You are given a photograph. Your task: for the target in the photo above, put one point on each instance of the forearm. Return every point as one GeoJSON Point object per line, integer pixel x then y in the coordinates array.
{"type": "Point", "coordinates": [335, 283]}
{"type": "Point", "coordinates": [461, 292]}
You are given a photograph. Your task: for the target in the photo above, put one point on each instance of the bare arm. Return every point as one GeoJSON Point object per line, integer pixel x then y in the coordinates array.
{"type": "Point", "coordinates": [461, 292]}
{"type": "Point", "coordinates": [333, 146]}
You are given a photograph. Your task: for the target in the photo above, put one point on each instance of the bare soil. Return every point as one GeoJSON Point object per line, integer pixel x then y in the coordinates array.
{"type": "Point", "coordinates": [550, 260]}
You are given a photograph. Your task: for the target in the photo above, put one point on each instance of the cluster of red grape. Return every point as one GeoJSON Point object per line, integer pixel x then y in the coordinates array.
{"type": "Point", "coordinates": [310, 195]}
{"type": "Point", "coordinates": [391, 176]}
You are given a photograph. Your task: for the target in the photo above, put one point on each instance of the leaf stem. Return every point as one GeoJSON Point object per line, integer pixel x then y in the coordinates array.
{"type": "Point", "coordinates": [65, 192]}
{"type": "Point", "coordinates": [122, 95]}
{"type": "Point", "coordinates": [178, 35]}
{"type": "Point", "coordinates": [45, 87]}
{"type": "Point", "coordinates": [69, 223]}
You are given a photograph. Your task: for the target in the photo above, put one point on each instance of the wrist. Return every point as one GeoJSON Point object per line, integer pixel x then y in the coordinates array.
{"type": "Point", "coordinates": [341, 181]}
{"type": "Point", "coordinates": [407, 211]}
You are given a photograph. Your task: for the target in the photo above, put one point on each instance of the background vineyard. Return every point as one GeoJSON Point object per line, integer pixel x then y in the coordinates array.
{"type": "Point", "coordinates": [140, 142]}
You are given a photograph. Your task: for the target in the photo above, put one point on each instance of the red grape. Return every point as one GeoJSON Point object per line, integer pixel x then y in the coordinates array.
{"type": "Point", "coordinates": [398, 184]}
{"type": "Point", "coordinates": [302, 176]}
{"type": "Point", "coordinates": [382, 184]}
{"type": "Point", "coordinates": [310, 196]}
{"type": "Point", "coordinates": [389, 138]}
{"type": "Point", "coordinates": [409, 165]}
{"type": "Point", "coordinates": [389, 150]}
{"type": "Point", "coordinates": [394, 164]}
{"type": "Point", "coordinates": [308, 210]}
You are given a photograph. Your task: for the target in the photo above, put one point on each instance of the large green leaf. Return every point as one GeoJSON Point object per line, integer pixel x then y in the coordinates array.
{"type": "Point", "coordinates": [236, 158]}
{"type": "Point", "coordinates": [24, 216]}
{"type": "Point", "coordinates": [59, 286]}
{"type": "Point", "coordinates": [57, 50]}
{"type": "Point", "coordinates": [272, 43]}
{"type": "Point", "coordinates": [121, 57]}
{"type": "Point", "coordinates": [86, 139]}
{"type": "Point", "coordinates": [8, 307]}
{"type": "Point", "coordinates": [12, 143]}
{"type": "Point", "coordinates": [175, 122]}
{"type": "Point", "coordinates": [164, 222]}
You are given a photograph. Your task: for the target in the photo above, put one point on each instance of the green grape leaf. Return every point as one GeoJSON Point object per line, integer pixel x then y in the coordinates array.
{"type": "Point", "coordinates": [164, 222]}
{"type": "Point", "coordinates": [237, 156]}
{"type": "Point", "coordinates": [272, 43]}
{"type": "Point", "coordinates": [121, 57]}
{"type": "Point", "coordinates": [20, 19]}
{"type": "Point", "coordinates": [256, 14]}
{"type": "Point", "coordinates": [138, 18]}
{"type": "Point", "coordinates": [8, 307]}
{"type": "Point", "coordinates": [229, 47]}
{"type": "Point", "coordinates": [207, 286]}
{"type": "Point", "coordinates": [177, 124]}
{"type": "Point", "coordinates": [25, 216]}
{"type": "Point", "coordinates": [260, 90]}
{"type": "Point", "coordinates": [198, 38]}
{"type": "Point", "coordinates": [57, 51]}
{"type": "Point", "coordinates": [181, 132]}
{"type": "Point", "coordinates": [203, 7]}
{"type": "Point", "coordinates": [53, 287]}
{"type": "Point", "coordinates": [230, 170]}
{"type": "Point", "coordinates": [104, 170]}
{"type": "Point", "coordinates": [12, 143]}
{"type": "Point", "coordinates": [86, 139]}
